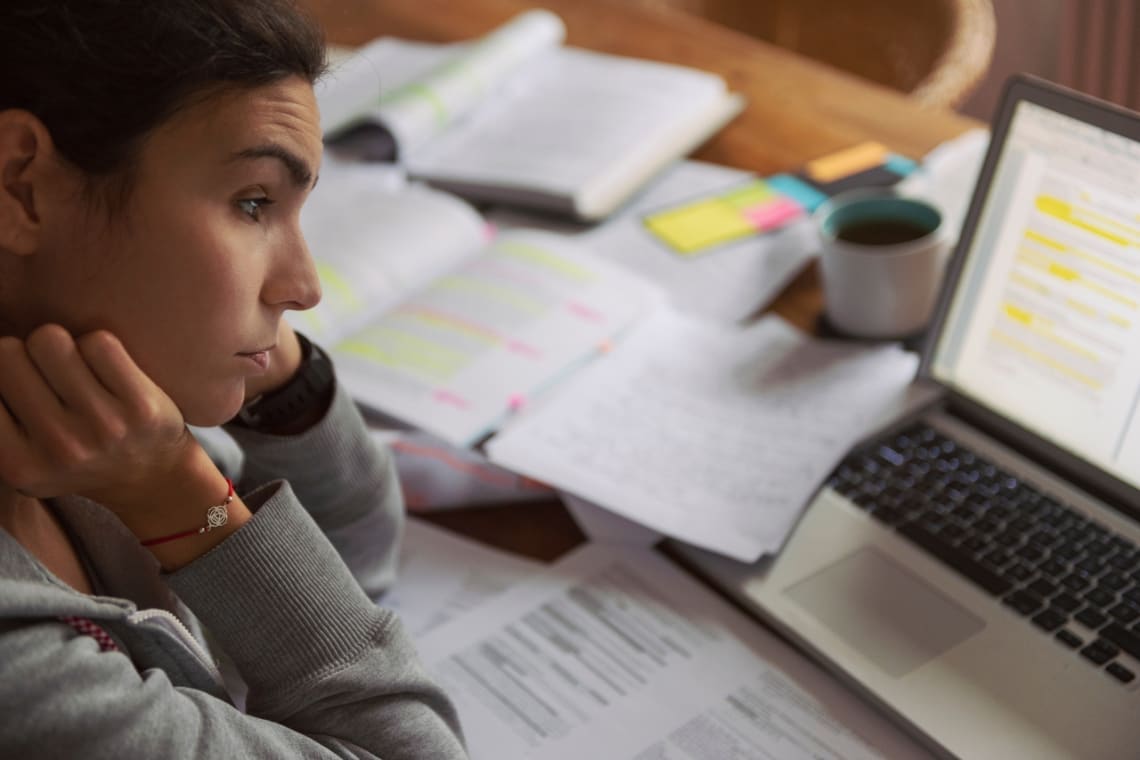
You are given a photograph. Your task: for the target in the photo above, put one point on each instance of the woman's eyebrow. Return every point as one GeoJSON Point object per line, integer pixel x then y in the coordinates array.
{"type": "Point", "coordinates": [299, 171]}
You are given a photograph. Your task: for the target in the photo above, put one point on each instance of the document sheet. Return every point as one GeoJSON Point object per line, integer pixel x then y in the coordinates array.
{"type": "Point", "coordinates": [616, 653]}
{"type": "Point", "coordinates": [714, 435]}
{"type": "Point", "coordinates": [442, 576]}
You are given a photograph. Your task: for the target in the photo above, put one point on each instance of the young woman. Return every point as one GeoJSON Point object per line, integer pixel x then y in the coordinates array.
{"type": "Point", "coordinates": [154, 157]}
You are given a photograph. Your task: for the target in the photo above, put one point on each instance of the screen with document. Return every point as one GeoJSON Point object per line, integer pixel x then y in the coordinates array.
{"type": "Point", "coordinates": [1044, 323]}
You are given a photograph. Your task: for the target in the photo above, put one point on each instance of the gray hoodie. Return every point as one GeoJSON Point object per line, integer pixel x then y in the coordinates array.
{"type": "Point", "coordinates": [285, 602]}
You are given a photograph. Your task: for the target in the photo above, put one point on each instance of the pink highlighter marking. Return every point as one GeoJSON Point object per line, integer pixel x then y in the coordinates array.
{"type": "Point", "coordinates": [525, 349]}
{"type": "Point", "coordinates": [586, 312]}
{"type": "Point", "coordinates": [516, 401]}
{"type": "Point", "coordinates": [447, 397]}
{"type": "Point", "coordinates": [772, 215]}
{"type": "Point", "coordinates": [490, 232]}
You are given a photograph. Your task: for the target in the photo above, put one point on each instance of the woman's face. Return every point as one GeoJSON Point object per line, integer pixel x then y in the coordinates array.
{"type": "Point", "coordinates": [196, 271]}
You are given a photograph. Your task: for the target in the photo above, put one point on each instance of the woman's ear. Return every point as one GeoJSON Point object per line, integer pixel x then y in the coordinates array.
{"type": "Point", "coordinates": [26, 155]}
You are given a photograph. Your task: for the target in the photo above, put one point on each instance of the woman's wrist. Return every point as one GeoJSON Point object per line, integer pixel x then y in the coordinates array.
{"type": "Point", "coordinates": [179, 502]}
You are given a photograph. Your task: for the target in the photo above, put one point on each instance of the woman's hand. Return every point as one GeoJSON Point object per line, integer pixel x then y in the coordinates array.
{"type": "Point", "coordinates": [78, 416]}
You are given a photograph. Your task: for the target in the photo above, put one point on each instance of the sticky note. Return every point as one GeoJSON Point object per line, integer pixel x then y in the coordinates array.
{"type": "Point", "coordinates": [900, 165]}
{"type": "Point", "coordinates": [798, 190]}
{"type": "Point", "coordinates": [770, 216]}
{"type": "Point", "coordinates": [835, 166]}
{"type": "Point", "coordinates": [699, 225]}
{"type": "Point", "coordinates": [748, 196]}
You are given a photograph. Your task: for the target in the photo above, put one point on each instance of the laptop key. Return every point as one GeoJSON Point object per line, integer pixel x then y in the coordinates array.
{"type": "Point", "coordinates": [1119, 672]}
{"type": "Point", "coordinates": [1113, 582]}
{"type": "Point", "coordinates": [1023, 602]}
{"type": "Point", "coordinates": [1049, 619]}
{"type": "Point", "coordinates": [1091, 618]}
{"type": "Point", "coordinates": [956, 559]}
{"type": "Point", "coordinates": [1068, 638]}
{"type": "Point", "coordinates": [1125, 613]}
{"type": "Point", "coordinates": [1100, 597]}
{"type": "Point", "coordinates": [1019, 573]}
{"type": "Point", "coordinates": [1121, 637]}
{"type": "Point", "coordinates": [1099, 652]}
{"type": "Point", "coordinates": [1066, 603]}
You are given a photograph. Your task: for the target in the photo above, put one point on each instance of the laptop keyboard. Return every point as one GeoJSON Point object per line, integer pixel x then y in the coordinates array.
{"type": "Point", "coordinates": [1071, 577]}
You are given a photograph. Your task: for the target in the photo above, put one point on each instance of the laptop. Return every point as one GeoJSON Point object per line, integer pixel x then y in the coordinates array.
{"type": "Point", "coordinates": [974, 567]}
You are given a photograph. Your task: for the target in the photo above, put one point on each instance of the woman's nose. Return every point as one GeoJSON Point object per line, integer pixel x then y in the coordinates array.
{"type": "Point", "coordinates": [293, 281]}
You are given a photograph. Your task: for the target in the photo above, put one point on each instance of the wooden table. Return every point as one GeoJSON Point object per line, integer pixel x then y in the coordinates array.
{"type": "Point", "coordinates": [797, 110]}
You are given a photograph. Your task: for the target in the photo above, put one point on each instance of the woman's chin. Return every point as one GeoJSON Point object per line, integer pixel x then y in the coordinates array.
{"type": "Point", "coordinates": [211, 412]}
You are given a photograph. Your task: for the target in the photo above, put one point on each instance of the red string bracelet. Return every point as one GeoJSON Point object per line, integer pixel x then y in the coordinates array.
{"type": "Point", "coordinates": [216, 517]}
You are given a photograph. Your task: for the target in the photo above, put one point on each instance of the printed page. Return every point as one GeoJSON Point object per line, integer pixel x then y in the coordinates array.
{"type": "Point", "coordinates": [616, 653]}
{"type": "Point", "coordinates": [443, 576]}
{"type": "Point", "coordinates": [376, 239]}
{"type": "Point", "coordinates": [577, 124]}
{"type": "Point", "coordinates": [482, 342]}
{"type": "Point", "coordinates": [357, 78]}
{"type": "Point", "coordinates": [729, 284]}
{"type": "Point", "coordinates": [417, 90]}
{"type": "Point", "coordinates": [714, 435]}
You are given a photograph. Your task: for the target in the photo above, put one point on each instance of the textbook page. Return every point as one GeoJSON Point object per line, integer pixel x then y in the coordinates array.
{"type": "Point", "coordinates": [375, 239]}
{"type": "Point", "coordinates": [728, 284]}
{"type": "Point", "coordinates": [417, 90]}
{"type": "Point", "coordinates": [442, 576]}
{"type": "Point", "coordinates": [577, 131]}
{"type": "Point", "coordinates": [615, 653]}
{"type": "Point", "coordinates": [715, 435]}
{"type": "Point", "coordinates": [484, 340]}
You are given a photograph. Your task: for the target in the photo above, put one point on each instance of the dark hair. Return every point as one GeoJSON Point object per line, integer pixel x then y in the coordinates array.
{"type": "Point", "coordinates": [103, 74]}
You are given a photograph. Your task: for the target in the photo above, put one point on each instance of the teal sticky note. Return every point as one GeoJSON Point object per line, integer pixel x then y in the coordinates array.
{"type": "Point", "coordinates": [796, 189]}
{"type": "Point", "coordinates": [900, 165]}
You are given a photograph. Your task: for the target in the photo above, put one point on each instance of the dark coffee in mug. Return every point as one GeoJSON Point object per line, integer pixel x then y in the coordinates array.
{"type": "Point", "coordinates": [881, 231]}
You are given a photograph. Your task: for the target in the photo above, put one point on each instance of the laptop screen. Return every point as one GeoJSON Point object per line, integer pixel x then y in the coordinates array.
{"type": "Point", "coordinates": [1044, 324]}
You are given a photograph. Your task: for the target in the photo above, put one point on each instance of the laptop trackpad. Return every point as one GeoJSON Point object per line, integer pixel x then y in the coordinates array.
{"type": "Point", "coordinates": [884, 611]}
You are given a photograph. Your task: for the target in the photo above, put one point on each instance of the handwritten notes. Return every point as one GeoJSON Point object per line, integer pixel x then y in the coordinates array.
{"type": "Point", "coordinates": [715, 435]}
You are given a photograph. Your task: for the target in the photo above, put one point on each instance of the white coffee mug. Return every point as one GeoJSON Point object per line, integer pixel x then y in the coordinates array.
{"type": "Point", "coordinates": [882, 257]}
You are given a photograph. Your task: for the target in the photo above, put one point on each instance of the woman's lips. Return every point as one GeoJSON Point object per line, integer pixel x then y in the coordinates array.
{"type": "Point", "coordinates": [260, 358]}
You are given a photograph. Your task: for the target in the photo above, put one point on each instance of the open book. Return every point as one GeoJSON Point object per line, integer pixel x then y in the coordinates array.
{"type": "Point", "coordinates": [437, 320]}
{"type": "Point", "coordinates": [516, 117]}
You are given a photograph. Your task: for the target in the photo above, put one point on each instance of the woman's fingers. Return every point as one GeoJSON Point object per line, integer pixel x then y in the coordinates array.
{"type": "Point", "coordinates": [56, 355]}
{"type": "Point", "coordinates": [114, 368]}
{"type": "Point", "coordinates": [79, 413]}
{"type": "Point", "coordinates": [29, 398]}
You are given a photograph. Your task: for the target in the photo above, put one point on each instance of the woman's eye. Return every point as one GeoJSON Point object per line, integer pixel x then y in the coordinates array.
{"type": "Point", "coordinates": [252, 207]}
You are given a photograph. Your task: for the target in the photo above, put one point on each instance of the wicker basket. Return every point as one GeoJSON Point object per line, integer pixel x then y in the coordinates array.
{"type": "Point", "coordinates": [936, 51]}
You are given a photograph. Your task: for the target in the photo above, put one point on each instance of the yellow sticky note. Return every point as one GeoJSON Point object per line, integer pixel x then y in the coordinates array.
{"type": "Point", "coordinates": [691, 228]}
{"type": "Point", "coordinates": [846, 162]}
{"type": "Point", "coordinates": [752, 194]}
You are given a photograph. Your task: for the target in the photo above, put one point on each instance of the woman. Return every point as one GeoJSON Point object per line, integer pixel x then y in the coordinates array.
{"type": "Point", "coordinates": [154, 157]}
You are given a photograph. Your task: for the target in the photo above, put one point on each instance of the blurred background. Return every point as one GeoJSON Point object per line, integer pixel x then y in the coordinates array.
{"type": "Point", "coordinates": [950, 53]}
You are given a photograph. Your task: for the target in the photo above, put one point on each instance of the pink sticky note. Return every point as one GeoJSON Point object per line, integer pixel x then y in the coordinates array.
{"type": "Point", "coordinates": [769, 216]}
